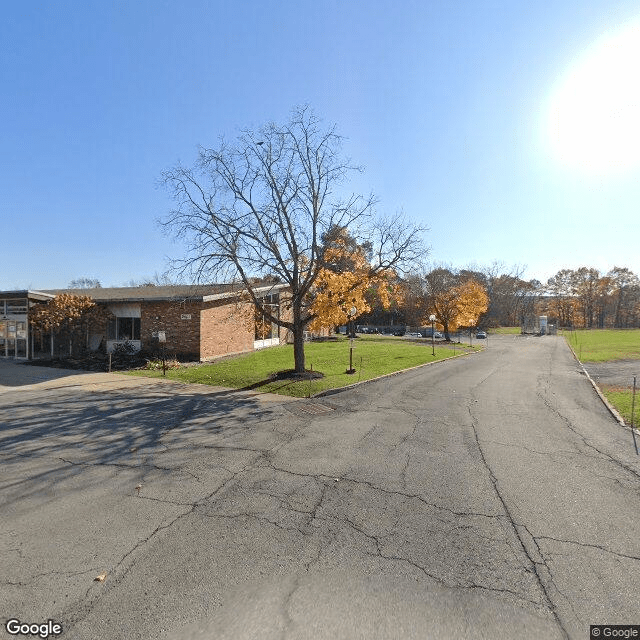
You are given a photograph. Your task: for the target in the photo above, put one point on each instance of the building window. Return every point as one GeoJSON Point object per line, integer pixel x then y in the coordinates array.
{"type": "Point", "coordinates": [13, 307]}
{"type": "Point", "coordinates": [16, 307]}
{"type": "Point", "coordinates": [123, 329]}
{"type": "Point", "coordinates": [264, 328]}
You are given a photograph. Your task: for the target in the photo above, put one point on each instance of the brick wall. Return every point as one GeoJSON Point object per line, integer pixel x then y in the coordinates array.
{"type": "Point", "coordinates": [226, 328]}
{"type": "Point", "coordinates": [214, 328]}
{"type": "Point", "coordinates": [182, 332]}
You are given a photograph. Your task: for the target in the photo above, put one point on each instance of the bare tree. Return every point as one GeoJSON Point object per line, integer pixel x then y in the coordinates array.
{"type": "Point", "coordinates": [85, 283]}
{"type": "Point", "coordinates": [262, 206]}
{"type": "Point", "coordinates": [510, 297]}
{"type": "Point", "coordinates": [157, 280]}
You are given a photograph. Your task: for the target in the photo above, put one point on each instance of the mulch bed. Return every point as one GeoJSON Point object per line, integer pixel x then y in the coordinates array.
{"type": "Point", "coordinates": [91, 362]}
{"type": "Point", "coordinates": [292, 374]}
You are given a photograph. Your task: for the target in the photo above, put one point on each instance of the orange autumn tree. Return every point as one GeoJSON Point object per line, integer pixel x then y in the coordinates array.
{"type": "Point", "coordinates": [473, 301]}
{"type": "Point", "coordinates": [349, 281]}
{"type": "Point", "coordinates": [67, 315]}
{"type": "Point", "coordinates": [454, 302]}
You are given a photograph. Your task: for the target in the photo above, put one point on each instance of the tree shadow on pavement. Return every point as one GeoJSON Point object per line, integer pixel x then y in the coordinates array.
{"type": "Point", "coordinates": [48, 436]}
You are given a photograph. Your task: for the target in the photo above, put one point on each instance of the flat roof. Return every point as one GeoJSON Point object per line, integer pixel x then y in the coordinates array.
{"type": "Point", "coordinates": [195, 292]}
{"type": "Point", "coordinates": [25, 293]}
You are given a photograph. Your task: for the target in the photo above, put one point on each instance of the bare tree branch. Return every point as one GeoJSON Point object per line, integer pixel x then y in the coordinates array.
{"type": "Point", "coordinates": [262, 206]}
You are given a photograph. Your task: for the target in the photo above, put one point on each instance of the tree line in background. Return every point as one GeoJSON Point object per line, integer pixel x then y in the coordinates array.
{"type": "Point", "coordinates": [498, 296]}
{"type": "Point", "coordinates": [586, 298]}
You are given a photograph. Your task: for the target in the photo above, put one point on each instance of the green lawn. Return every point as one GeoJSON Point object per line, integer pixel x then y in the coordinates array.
{"type": "Point", "coordinates": [372, 356]}
{"type": "Point", "coordinates": [621, 399]}
{"type": "Point", "coordinates": [603, 345]}
{"type": "Point", "coordinates": [506, 330]}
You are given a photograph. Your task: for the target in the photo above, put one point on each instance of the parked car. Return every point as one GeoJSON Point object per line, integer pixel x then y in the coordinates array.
{"type": "Point", "coordinates": [398, 333]}
{"type": "Point", "coordinates": [481, 335]}
{"type": "Point", "coordinates": [413, 335]}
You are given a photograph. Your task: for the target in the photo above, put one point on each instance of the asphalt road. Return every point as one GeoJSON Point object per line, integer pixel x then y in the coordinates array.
{"type": "Point", "coordinates": [491, 496]}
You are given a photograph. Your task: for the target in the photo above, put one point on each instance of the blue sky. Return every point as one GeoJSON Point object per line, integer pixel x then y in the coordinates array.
{"type": "Point", "coordinates": [454, 109]}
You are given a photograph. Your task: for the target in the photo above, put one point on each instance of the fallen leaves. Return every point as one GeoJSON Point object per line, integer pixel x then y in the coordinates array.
{"type": "Point", "coordinates": [101, 577]}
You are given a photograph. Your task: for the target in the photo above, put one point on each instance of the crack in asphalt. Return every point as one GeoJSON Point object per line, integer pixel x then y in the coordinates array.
{"type": "Point", "coordinates": [543, 563]}
{"type": "Point", "coordinates": [550, 454]}
{"type": "Point", "coordinates": [583, 438]}
{"type": "Point", "coordinates": [286, 616]}
{"type": "Point", "coordinates": [88, 602]}
{"type": "Point", "coordinates": [537, 567]}
{"type": "Point", "coordinates": [252, 516]}
{"type": "Point", "coordinates": [37, 576]}
{"type": "Point", "coordinates": [391, 492]}
{"type": "Point", "coordinates": [618, 554]}
{"type": "Point", "coordinates": [469, 585]}
{"type": "Point", "coordinates": [179, 504]}
{"type": "Point", "coordinates": [380, 554]}
{"type": "Point", "coordinates": [123, 465]}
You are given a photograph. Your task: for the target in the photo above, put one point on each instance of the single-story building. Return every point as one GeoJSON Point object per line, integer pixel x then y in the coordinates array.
{"type": "Point", "coordinates": [198, 322]}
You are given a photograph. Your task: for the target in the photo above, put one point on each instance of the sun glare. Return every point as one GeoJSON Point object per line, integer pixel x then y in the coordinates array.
{"type": "Point", "coordinates": [595, 112]}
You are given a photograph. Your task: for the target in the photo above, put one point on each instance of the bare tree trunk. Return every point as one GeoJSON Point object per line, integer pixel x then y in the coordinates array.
{"type": "Point", "coordinates": [298, 347]}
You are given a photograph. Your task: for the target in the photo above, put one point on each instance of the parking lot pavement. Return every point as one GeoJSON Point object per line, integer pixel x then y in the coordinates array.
{"type": "Point", "coordinates": [484, 497]}
{"type": "Point", "coordinates": [619, 373]}
{"type": "Point", "coordinates": [94, 464]}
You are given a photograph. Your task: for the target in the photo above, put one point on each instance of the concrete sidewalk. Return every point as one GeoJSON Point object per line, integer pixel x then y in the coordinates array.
{"type": "Point", "coordinates": [18, 376]}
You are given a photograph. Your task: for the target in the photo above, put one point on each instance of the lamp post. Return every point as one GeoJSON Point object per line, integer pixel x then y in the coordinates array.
{"type": "Point", "coordinates": [433, 336]}
{"type": "Point", "coordinates": [351, 314]}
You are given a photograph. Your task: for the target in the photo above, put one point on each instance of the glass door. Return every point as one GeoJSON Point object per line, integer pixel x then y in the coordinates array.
{"type": "Point", "coordinates": [21, 339]}
{"type": "Point", "coordinates": [11, 339]}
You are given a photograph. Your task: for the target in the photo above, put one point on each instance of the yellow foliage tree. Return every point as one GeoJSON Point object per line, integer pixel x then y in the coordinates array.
{"type": "Point", "coordinates": [67, 314]}
{"type": "Point", "coordinates": [456, 305]}
{"type": "Point", "coordinates": [349, 281]}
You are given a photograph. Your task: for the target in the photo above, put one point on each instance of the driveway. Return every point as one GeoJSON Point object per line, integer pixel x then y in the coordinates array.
{"type": "Point", "coordinates": [491, 496]}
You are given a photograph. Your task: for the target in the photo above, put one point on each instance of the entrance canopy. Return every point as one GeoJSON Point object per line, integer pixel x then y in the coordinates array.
{"type": "Point", "coordinates": [14, 321]}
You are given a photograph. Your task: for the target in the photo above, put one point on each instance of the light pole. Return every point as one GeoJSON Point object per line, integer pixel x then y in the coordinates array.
{"type": "Point", "coordinates": [351, 314]}
{"type": "Point", "coordinates": [433, 335]}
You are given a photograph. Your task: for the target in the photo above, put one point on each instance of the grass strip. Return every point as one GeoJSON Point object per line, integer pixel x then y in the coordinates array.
{"type": "Point", "coordinates": [506, 331]}
{"type": "Point", "coordinates": [373, 356]}
{"type": "Point", "coordinates": [621, 399]}
{"type": "Point", "coordinates": [603, 345]}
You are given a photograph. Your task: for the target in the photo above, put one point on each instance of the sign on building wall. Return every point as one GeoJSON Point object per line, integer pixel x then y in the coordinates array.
{"type": "Point", "coordinates": [185, 316]}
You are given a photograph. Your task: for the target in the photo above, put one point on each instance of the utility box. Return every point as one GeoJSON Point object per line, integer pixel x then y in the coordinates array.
{"type": "Point", "coordinates": [543, 325]}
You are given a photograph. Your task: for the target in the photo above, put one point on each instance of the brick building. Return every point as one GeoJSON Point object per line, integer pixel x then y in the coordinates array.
{"type": "Point", "coordinates": [197, 321]}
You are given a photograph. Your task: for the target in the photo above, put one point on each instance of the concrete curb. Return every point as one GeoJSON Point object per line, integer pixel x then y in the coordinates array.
{"type": "Point", "coordinates": [330, 392]}
{"type": "Point", "coordinates": [607, 404]}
